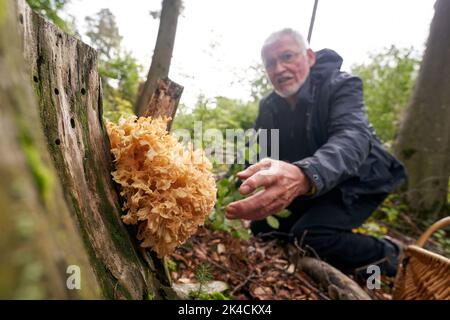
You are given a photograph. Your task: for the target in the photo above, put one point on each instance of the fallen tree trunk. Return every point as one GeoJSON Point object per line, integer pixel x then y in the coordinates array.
{"type": "Point", "coordinates": [337, 284]}
{"type": "Point", "coordinates": [60, 158]}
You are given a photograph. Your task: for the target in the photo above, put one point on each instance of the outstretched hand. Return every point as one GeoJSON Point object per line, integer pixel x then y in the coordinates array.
{"type": "Point", "coordinates": [282, 182]}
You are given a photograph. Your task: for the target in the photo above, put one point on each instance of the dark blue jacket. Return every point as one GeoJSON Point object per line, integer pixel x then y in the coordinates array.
{"type": "Point", "coordinates": [344, 150]}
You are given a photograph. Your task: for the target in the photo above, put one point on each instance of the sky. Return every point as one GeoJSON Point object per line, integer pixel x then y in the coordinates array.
{"type": "Point", "coordinates": [218, 40]}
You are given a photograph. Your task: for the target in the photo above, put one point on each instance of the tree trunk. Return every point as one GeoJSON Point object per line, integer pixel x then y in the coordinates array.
{"type": "Point", "coordinates": [423, 143]}
{"type": "Point", "coordinates": [162, 54]}
{"type": "Point", "coordinates": [56, 159]}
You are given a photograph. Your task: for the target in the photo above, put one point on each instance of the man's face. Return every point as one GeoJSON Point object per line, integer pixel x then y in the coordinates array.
{"type": "Point", "coordinates": [287, 65]}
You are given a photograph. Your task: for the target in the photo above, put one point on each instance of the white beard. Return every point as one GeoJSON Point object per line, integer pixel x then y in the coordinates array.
{"type": "Point", "coordinates": [290, 91]}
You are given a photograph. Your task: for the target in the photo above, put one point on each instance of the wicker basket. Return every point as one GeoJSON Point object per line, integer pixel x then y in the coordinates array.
{"type": "Point", "coordinates": [423, 275]}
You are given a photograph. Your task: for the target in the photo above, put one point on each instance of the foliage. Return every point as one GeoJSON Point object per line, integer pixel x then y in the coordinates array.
{"type": "Point", "coordinates": [171, 265]}
{"type": "Point", "coordinates": [388, 81]}
{"type": "Point", "coordinates": [273, 220]}
{"type": "Point", "coordinates": [118, 69]}
{"type": "Point", "coordinates": [220, 113]}
{"type": "Point", "coordinates": [120, 79]}
{"type": "Point", "coordinates": [227, 192]}
{"type": "Point", "coordinates": [103, 33]}
{"type": "Point", "coordinates": [387, 214]}
{"type": "Point", "coordinates": [442, 238]}
{"type": "Point", "coordinates": [260, 84]}
{"type": "Point", "coordinates": [213, 296]}
{"type": "Point", "coordinates": [373, 228]}
{"type": "Point", "coordinates": [51, 9]}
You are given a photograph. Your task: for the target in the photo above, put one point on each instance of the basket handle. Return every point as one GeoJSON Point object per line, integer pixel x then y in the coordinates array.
{"type": "Point", "coordinates": [434, 227]}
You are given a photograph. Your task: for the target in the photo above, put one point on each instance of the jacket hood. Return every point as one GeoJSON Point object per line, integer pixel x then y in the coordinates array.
{"type": "Point", "coordinates": [327, 61]}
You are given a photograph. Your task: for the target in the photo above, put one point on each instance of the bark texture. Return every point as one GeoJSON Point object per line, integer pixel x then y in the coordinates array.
{"type": "Point", "coordinates": [162, 55]}
{"type": "Point", "coordinates": [423, 143]}
{"type": "Point", "coordinates": [164, 102]}
{"type": "Point", "coordinates": [59, 155]}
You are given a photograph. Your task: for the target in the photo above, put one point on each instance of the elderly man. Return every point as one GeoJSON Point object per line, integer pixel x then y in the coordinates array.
{"type": "Point", "coordinates": [332, 172]}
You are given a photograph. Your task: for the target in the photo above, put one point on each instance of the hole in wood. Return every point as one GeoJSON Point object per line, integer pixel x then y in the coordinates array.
{"type": "Point", "coordinates": [72, 123]}
{"type": "Point", "coordinates": [56, 91]}
{"type": "Point", "coordinates": [40, 60]}
{"type": "Point", "coordinates": [83, 91]}
{"type": "Point", "coordinates": [21, 18]}
{"type": "Point", "coordinates": [35, 79]}
{"type": "Point", "coordinates": [58, 142]}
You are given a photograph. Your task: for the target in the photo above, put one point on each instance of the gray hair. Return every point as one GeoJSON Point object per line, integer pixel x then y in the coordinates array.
{"type": "Point", "coordinates": [274, 37]}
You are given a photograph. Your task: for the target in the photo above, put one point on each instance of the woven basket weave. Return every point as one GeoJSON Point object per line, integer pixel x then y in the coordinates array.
{"type": "Point", "coordinates": [423, 275]}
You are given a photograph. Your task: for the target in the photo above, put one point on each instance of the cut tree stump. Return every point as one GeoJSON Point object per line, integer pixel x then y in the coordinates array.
{"type": "Point", "coordinates": [39, 237]}
{"type": "Point", "coordinates": [78, 217]}
{"type": "Point", "coordinates": [164, 101]}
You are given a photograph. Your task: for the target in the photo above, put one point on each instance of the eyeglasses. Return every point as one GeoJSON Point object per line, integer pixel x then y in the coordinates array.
{"type": "Point", "coordinates": [286, 57]}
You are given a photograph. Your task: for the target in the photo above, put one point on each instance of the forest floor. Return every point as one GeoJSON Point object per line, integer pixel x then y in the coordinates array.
{"type": "Point", "coordinates": [257, 269]}
{"type": "Point", "coordinates": [253, 269]}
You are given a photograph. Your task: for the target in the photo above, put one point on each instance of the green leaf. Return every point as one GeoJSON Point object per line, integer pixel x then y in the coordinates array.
{"type": "Point", "coordinates": [283, 213]}
{"type": "Point", "coordinates": [273, 222]}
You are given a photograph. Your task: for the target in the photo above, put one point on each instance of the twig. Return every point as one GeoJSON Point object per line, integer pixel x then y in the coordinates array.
{"type": "Point", "coordinates": [242, 284]}
{"type": "Point", "coordinates": [410, 222]}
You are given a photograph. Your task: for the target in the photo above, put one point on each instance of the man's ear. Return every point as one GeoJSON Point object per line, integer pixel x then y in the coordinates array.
{"type": "Point", "coordinates": [311, 57]}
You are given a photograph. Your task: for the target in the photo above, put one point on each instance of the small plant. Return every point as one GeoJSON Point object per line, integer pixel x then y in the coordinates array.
{"type": "Point", "coordinates": [442, 237]}
{"type": "Point", "coordinates": [171, 265]}
{"type": "Point", "coordinates": [213, 296]}
{"type": "Point", "coordinates": [227, 192]}
{"type": "Point", "coordinates": [372, 228]}
{"type": "Point", "coordinates": [273, 220]}
{"type": "Point", "coordinates": [203, 274]}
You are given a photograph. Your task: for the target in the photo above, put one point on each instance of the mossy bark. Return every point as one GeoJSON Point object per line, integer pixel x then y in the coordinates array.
{"type": "Point", "coordinates": [58, 161]}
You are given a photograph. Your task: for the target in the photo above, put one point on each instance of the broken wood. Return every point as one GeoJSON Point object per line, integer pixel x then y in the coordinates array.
{"type": "Point", "coordinates": [164, 101]}
{"type": "Point", "coordinates": [162, 54]}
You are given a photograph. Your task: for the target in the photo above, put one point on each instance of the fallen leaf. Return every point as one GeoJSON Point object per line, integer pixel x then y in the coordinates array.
{"type": "Point", "coordinates": [291, 268]}
{"type": "Point", "coordinates": [220, 248]}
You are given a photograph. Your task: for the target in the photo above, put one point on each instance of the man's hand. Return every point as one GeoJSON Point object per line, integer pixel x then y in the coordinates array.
{"type": "Point", "coordinates": [282, 183]}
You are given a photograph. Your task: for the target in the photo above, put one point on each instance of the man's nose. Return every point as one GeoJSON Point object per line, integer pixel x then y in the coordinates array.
{"type": "Point", "coordinates": [278, 67]}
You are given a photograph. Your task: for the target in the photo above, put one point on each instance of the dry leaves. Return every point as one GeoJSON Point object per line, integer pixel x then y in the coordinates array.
{"type": "Point", "coordinates": [253, 269]}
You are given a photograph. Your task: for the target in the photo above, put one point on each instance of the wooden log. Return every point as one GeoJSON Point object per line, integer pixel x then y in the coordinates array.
{"type": "Point", "coordinates": [338, 285]}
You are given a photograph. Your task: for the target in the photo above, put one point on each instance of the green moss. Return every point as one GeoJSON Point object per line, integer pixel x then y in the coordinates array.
{"type": "Point", "coordinates": [171, 265]}
{"type": "Point", "coordinates": [41, 173]}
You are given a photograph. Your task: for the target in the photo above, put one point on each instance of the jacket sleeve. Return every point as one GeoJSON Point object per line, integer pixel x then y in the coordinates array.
{"type": "Point", "coordinates": [349, 137]}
